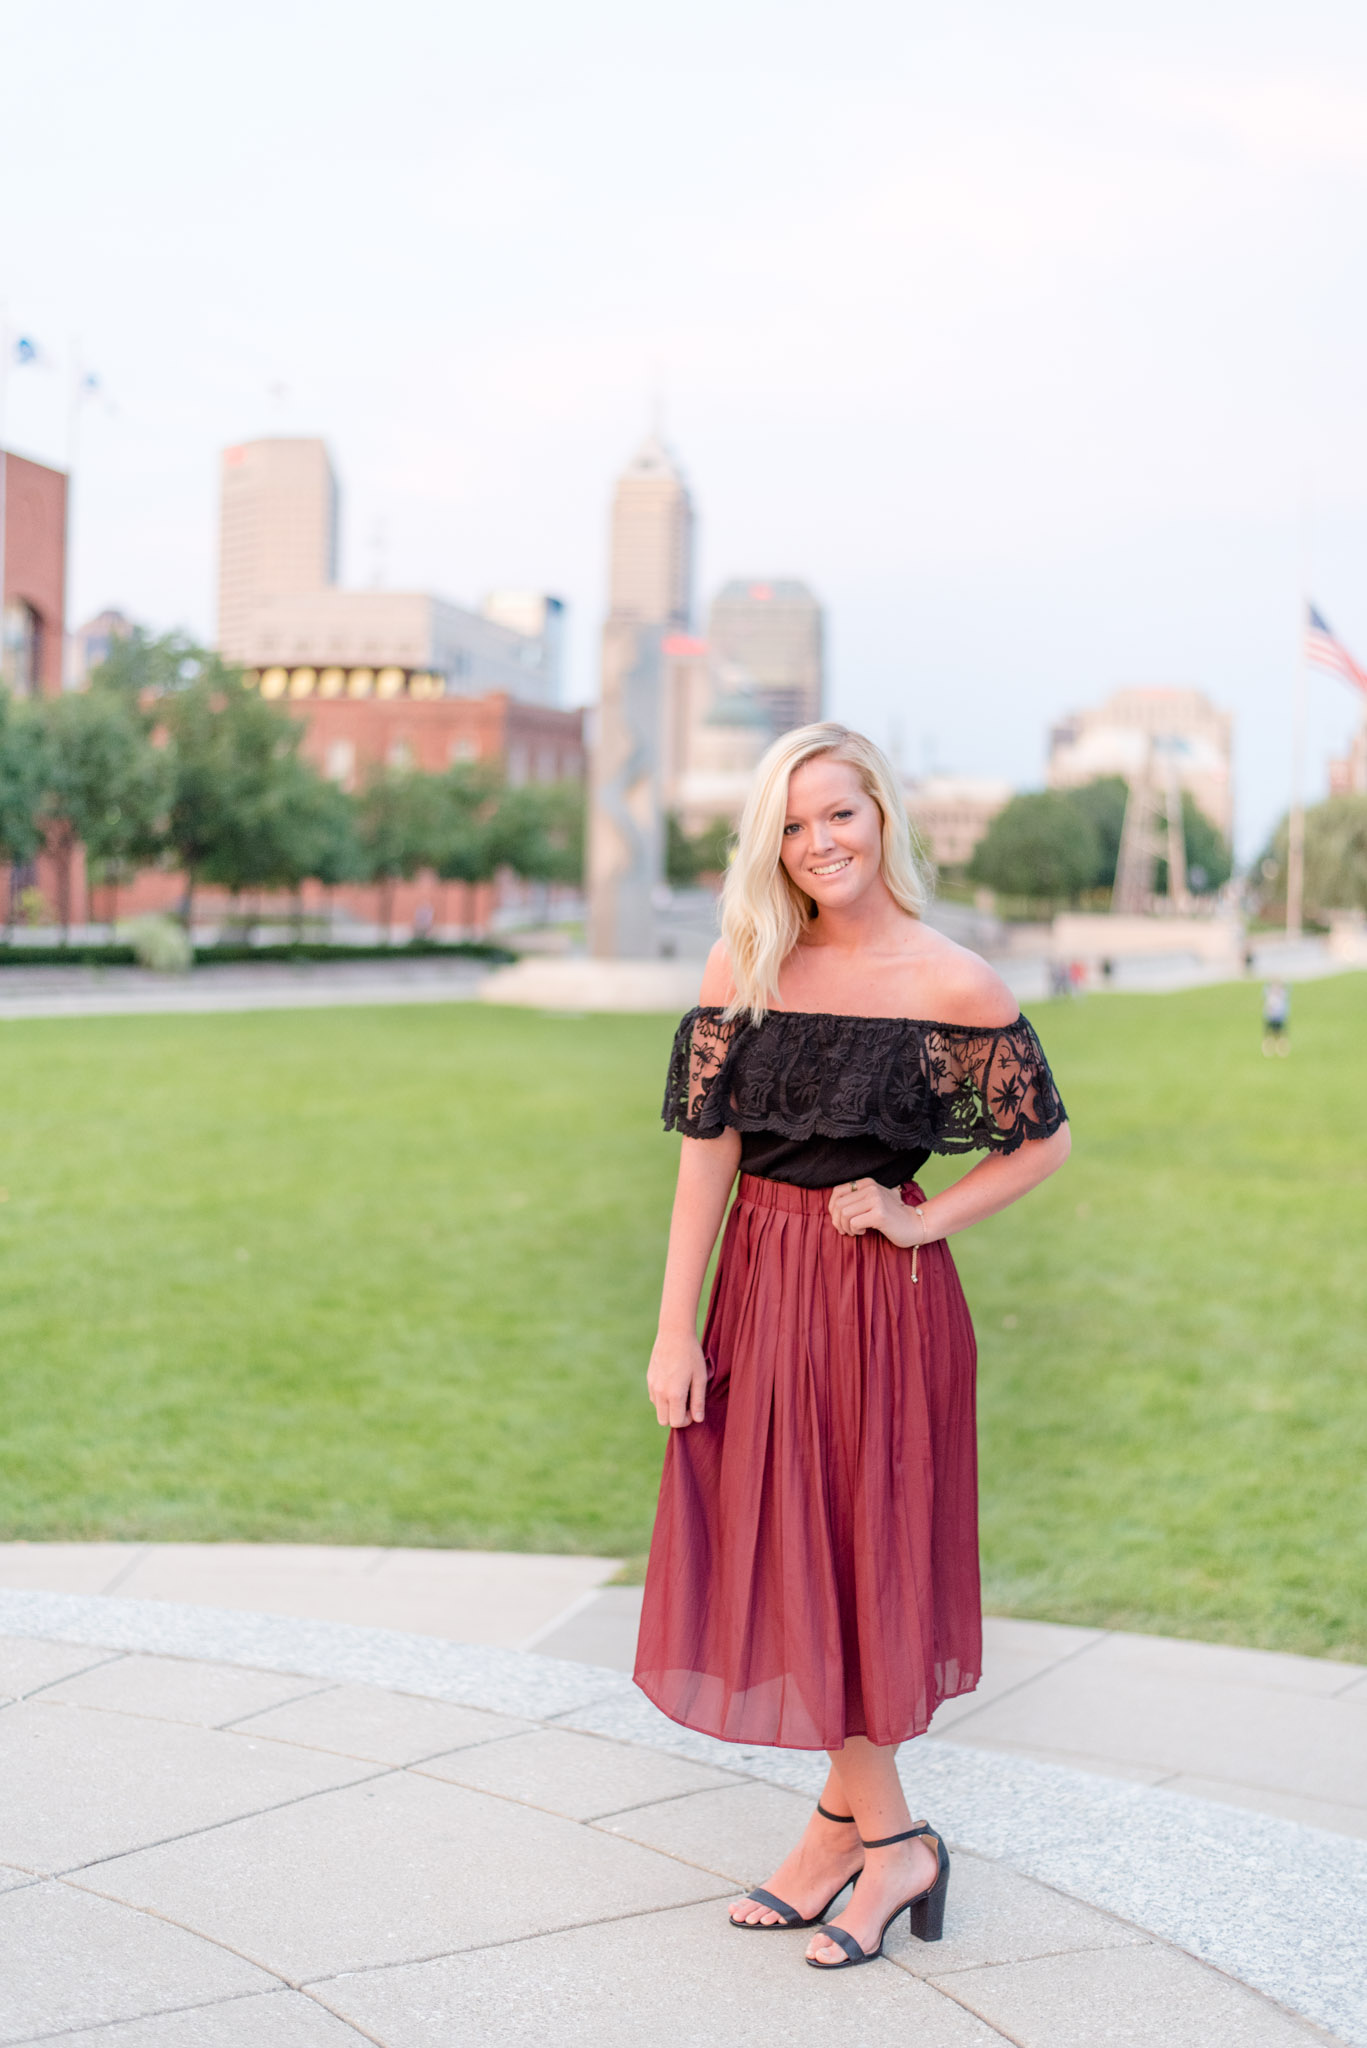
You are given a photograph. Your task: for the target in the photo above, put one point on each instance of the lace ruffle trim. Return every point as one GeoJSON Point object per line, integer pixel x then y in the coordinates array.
{"type": "Point", "coordinates": [916, 1086]}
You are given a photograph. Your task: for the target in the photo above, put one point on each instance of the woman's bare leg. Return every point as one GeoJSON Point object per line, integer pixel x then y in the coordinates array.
{"type": "Point", "coordinates": [867, 1780]}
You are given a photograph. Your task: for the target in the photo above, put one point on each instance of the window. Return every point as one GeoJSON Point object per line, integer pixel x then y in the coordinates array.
{"type": "Point", "coordinates": [20, 656]}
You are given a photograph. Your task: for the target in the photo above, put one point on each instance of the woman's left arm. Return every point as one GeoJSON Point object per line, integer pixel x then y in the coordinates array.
{"type": "Point", "coordinates": [993, 1184]}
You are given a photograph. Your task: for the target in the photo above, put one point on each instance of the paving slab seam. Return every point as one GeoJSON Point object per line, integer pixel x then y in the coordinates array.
{"type": "Point", "coordinates": [561, 1620]}
{"type": "Point", "coordinates": [942, 1983]}
{"type": "Point", "coordinates": [415, 1770]}
{"type": "Point", "coordinates": [34, 1692]}
{"type": "Point", "coordinates": [994, 2026]}
{"type": "Point", "coordinates": [126, 1570]}
{"type": "Point", "coordinates": [231, 1820]}
{"type": "Point", "coordinates": [477, 1948]}
{"type": "Point", "coordinates": [1045, 1671]}
{"type": "Point", "coordinates": [1277, 1905]}
{"type": "Point", "coordinates": [161, 2012]}
{"type": "Point", "coordinates": [661, 1799]}
{"type": "Point", "coordinates": [316, 1692]}
{"type": "Point", "coordinates": [183, 1927]}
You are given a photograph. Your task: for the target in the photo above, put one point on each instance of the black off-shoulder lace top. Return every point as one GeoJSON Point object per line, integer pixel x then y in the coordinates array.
{"type": "Point", "coordinates": [819, 1099]}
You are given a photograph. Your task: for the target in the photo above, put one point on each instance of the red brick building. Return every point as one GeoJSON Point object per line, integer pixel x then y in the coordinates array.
{"type": "Point", "coordinates": [532, 742]}
{"type": "Point", "coordinates": [344, 737]}
{"type": "Point", "coordinates": [33, 578]}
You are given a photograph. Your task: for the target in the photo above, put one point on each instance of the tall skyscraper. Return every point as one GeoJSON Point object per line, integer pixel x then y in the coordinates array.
{"type": "Point", "coordinates": [277, 531]}
{"type": "Point", "coordinates": [651, 574]}
{"type": "Point", "coordinates": [773, 630]}
{"type": "Point", "coordinates": [650, 578]}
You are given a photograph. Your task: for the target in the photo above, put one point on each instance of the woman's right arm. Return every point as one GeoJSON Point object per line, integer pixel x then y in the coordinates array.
{"type": "Point", "coordinates": [677, 1379]}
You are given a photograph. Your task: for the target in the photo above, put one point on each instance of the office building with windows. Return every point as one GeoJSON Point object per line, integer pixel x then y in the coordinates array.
{"type": "Point", "coordinates": [772, 629]}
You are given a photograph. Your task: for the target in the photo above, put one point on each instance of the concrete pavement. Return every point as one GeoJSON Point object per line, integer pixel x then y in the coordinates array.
{"type": "Point", "coordinates": [202, 1855]}
{"type": "Point", "coordinates": [256, 985]}
{"type": "Point", "coordinates": [1277, 1734]}
{"type": "Point", "coordinates": [224, 1827]}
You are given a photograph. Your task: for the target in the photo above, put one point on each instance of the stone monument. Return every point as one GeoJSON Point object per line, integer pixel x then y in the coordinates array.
{"type": "Point", "coordinates": [651, 566]}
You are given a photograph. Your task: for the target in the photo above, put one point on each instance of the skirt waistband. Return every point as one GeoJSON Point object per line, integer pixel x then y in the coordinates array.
{"type": "Point", "coordinates": [781, 1194]}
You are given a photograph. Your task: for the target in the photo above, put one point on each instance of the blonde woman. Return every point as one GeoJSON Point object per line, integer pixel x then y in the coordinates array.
{"type": "Point", "coordinates": [813, 1578]}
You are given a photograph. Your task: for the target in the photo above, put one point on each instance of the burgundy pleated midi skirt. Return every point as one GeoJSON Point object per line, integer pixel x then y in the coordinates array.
{"type": "Point", "coordinates": [814, 1567]}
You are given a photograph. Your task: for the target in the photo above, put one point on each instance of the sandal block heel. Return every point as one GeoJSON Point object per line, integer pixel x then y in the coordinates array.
{"type": "Point", "coordinates": [926, 1915]}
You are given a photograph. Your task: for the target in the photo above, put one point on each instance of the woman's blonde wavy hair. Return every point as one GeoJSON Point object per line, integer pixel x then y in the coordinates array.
{"type": "Point", "coordinates": [763, 913]}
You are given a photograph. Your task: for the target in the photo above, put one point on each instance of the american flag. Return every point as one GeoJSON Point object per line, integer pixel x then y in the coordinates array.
{"type": "Point", "coordinates": [1322, 650]}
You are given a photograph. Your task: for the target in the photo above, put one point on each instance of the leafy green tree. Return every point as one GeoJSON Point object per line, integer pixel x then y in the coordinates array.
{"type": "Point", "coordinates": [107, 788]}
{"type": "Point", "coordinates": [24, 776]}
{"type": "Point", "coordinates": [402, 826]}
{"type": "Point", "coordinates": [139, 664]}
{"type": "Point", "coordinates": [236, 784]}
{"type": "Point", "coordinates": [1041, 846]}
{"type": "Point", "coordinates": [467, 846]}
{"type": "Point", "coordinates": [538, 831]}
{"type": "Point", "coordinates": [1102, 802]}
{"type": "Point", "coordinates": [701, 853]}
{"type": "Point", "coordinates": [1209, 861]}
{"type": "Point", "coordinates": [1335, 859]}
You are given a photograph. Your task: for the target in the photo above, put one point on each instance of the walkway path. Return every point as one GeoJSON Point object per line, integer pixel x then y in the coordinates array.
{"type": "Point", "coordinates": [228, 1830]}
{"type": "Point", "coordinates": [255, 985]}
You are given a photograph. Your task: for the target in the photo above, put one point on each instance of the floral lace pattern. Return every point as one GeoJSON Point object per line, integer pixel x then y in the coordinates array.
{"type": "Point", "coordinates": [915, 1085]}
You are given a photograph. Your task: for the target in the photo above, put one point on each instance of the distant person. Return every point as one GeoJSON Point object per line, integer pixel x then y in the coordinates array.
{"type": "Point", "coordinates": [1077, 977]}
{"type": "Point", "coordinates": [1276, 1018]}
{"type": "Point", "coordinates": [813, 1579]}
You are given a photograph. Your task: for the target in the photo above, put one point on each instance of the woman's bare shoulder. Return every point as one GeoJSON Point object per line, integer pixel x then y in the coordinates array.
{"type": "Point", "coordinates": [718, 982]}
{"type": "Point", "coordinates": [954, 986]}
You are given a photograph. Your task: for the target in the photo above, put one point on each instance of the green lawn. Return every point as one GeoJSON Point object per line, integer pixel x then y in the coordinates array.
{"type": "Point", "coordinates": [389, 1276]}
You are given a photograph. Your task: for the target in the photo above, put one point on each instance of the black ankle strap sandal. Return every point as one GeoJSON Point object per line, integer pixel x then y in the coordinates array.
{"type": "Point", "coordinates": [925, 1909]}
{"type": "Point", "coordinates": [789, 1915]}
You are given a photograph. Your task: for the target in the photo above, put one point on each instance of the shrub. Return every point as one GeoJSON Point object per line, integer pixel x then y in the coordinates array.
{"type": "Point", "coordinates": [161, 943]}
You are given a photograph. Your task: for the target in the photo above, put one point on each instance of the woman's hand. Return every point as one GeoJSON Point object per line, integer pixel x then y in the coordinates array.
{"type": "Point", "coordinates": [860, 1205]}
{"type": "Point", "coordinates": [677, 1379]}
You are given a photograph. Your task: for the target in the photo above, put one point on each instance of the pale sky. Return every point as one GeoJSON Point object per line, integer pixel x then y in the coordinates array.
{"type": "Point", "coordinates": [1034, 338]}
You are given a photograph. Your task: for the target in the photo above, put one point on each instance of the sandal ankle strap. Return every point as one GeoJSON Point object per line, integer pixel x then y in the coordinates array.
{"type": "Point", "coordinates": [845, 1819]}
{"type": "Point", "coordinates": [888, 1840]}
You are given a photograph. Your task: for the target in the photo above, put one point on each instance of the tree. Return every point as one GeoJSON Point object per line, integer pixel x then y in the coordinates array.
{"type": "Point", "coordinates": [401, 827]}
{"type": "Point", "coordinates": [689, 856]}
{"type": "Point", "coordinates": [236, 784]}
{"type": "Point", "coordinates": [107, 787]}
{"type": "Point", "coordinates": [138, 664]}
{"type": "Point", "coordinates": [24, 776]}
{"type": "Point", "coordinates": [538, 831]}
{"type": "Point", "coordinates": [1102, 802]}
{"type": "Point", "coordinates": [1042, 846]}
{"type": "Point", "coordinates": [1209, 862]}
{"type": "Point", "coordinates": [1335, 858]}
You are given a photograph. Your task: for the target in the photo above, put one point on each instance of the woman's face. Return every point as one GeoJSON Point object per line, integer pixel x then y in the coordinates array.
{"type": "Point", "coordinates": [833, 836]}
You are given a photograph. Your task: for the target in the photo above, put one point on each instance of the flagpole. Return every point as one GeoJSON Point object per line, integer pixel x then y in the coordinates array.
{"type": "Point", "coordinates": [1295, 829]}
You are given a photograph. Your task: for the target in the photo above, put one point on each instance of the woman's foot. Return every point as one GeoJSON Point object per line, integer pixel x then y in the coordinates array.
{"type": "Point", "coordinates": [825, 1860]}
{"type": "Point", "coordinates": [889, 1877]}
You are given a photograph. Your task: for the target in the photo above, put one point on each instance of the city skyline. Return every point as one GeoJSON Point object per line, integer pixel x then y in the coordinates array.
{"type": "Point", "coordinates": [1024, 343]}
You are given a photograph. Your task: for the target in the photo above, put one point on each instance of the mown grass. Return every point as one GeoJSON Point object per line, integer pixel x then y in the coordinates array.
{"type": "Point", "coordinates": [389, 1276]}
